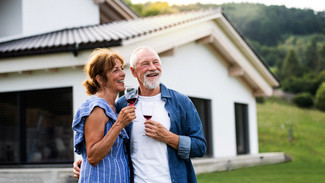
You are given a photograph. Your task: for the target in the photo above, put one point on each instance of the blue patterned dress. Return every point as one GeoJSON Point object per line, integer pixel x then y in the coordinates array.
{"type": "Point", "coordinates": [114, 167]}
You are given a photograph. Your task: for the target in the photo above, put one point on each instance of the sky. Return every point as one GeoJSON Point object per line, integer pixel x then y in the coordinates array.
{"type": "Point", "coordinates": [316, 5]}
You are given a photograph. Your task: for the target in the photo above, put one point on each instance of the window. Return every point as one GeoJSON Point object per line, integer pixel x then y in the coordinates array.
{"type": "Point", "coordinates": [35, 127]}
{"type": "Point", "coordinates": [242, 132]}
{"type": "Point", "coordinates": [203, 107]}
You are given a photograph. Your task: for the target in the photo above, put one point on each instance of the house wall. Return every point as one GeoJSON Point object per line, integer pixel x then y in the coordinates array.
{"type": "Point", "coordinates": [31, 17]}
{"type": "Point", "coordinates": [13, 25]}
{"type": "Point", "coordinates": [43, 16]}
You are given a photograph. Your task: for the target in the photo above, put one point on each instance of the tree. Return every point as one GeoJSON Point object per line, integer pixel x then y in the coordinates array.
{"type": "Point", "coordinates": [321, 59]}
{"type": "Point", "coordinates": [311, 56]}
{"type": "Point", "coordinates": [320, 97]}
{"type": "Point", "coordinates": [291, 66]}
{"type": "Point", "coordinates": [157, 8]}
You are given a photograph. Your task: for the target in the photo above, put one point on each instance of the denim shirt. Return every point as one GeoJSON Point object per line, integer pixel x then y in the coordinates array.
{"type": "Point", "coordinates": [185, 122]}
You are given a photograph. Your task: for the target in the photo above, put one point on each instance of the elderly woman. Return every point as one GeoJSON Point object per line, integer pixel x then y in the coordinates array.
{"type": "Point", "coordinates": [100, 133]}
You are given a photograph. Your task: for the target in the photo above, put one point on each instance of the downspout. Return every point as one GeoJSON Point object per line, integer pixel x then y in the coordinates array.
{"type": "Point", "coordinates": [76, 49]}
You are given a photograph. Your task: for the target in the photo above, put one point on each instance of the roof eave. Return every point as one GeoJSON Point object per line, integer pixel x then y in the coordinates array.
{"type": "Point", "coordinates": [74, 49]}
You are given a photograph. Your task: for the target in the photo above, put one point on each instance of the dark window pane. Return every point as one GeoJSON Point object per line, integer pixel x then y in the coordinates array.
{"type": "Point", "coordinates": [9, 134]}
{"type": "Point", "coordinates": [242, 133]}
{"type": "Point", "coordinates": [48, 116]}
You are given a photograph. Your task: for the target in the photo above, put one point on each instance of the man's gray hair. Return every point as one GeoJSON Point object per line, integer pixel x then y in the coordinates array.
{"type": "Point", "coordinates": [134, 55]}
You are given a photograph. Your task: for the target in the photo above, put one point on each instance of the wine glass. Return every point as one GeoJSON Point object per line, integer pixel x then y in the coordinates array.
{"type": "Point", "coordinates": [131, 95]}
{"type": "Point", "coordinates": [147, 109]}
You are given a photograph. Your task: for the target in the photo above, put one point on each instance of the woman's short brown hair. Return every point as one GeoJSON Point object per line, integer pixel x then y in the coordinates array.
{"type": "Point", "coordinates": [100, 61]}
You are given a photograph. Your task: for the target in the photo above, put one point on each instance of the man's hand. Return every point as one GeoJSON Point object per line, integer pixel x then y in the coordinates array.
{"type": "Point", "coordinates": [76, 168]}
{"type": "Point", "coordinates": [157, 131]}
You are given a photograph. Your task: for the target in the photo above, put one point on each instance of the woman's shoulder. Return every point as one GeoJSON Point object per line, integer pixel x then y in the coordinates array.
{"type": "Point", "coordinates": [88, 106]}
{"type": "Point", "coordinates": [93, 101]}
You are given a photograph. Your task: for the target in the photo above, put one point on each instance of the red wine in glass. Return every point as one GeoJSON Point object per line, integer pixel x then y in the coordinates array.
{"type": "Point", "coordinates": [147, 109]}
{"type": "Point", "coordinates": [131, 101]}
{"type": "Point", "coordinates": [147, 117]}
{"type": "Point", "coordinates": [131, 95]}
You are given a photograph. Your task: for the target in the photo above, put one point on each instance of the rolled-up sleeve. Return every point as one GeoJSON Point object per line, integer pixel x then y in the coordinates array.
{"type": "Point", "coordinates": [184, 147]}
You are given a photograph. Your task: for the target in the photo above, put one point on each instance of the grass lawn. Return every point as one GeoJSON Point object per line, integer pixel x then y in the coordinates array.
{"type": "Point", "coordinates": [300, 133]}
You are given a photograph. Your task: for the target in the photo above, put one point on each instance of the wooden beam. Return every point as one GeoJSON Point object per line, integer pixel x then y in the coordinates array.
{"type": "Point", "coordinates": [3, 74]}
{"type": "Point", "coordinates": [205, 40]}
{"type": "Point", "coordinates": [25, 72]}
{"type": "Point", "coordinates": [169, 52]}
{"type": "Point", "coordinates": [52, 70]}
{"type": "Point", "coordinates": [119, 9]}
{"type": "Point", "coordinates": [258, 93]}
{"type": "Point", "coordinates": [236, 71]}
{"type": "Point", "coordinates": [79, 67]}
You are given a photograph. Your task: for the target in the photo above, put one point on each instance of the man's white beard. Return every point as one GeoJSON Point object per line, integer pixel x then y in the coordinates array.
{"type": "Point", "coordinates": [154, 83]}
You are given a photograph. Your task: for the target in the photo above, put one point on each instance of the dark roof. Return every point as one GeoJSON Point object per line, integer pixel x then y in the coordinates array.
{"type": "Point", "coordinates": [104, 35]}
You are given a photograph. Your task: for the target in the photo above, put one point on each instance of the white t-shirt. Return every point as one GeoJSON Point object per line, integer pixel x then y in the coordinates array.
{"type": "Point", "coordinates": [149, 156]}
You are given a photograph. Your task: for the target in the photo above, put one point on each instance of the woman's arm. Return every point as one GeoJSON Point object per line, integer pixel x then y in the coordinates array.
{"type": "Point", "coordinates": [98, 145]}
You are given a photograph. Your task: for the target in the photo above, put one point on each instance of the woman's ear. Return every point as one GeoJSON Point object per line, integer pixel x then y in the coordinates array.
{"type": "Point", "coordinates": [99, 79]}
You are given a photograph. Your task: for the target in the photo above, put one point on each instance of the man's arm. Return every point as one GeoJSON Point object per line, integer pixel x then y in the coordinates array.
{"type": "Point", "coordinates": [192, 143]}
{"type": "Point", "coordinates": [194, 131]}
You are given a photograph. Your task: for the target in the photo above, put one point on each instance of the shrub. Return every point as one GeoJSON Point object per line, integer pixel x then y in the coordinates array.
{"type": "Point", "coordinates": [300, 85]}
{"type": "Point", "coordinates": [303, 100]}
{"type": "Point", "coordinates": [320, 97]}
{"type": "Point", "coordinates": [260, 100]}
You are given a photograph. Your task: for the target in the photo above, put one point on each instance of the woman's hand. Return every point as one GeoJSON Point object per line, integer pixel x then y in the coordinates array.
{"type": "Point", "coordinates": [76, 168]}
{"type": "Point", "coordinates": [126, 115]}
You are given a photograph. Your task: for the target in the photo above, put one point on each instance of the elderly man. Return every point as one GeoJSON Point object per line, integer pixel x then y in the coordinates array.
{"type": "Point", "coordinates": [172, 135]}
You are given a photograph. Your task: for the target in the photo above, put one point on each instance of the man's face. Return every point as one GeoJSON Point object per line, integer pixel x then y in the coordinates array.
{"type": "Point", "coordinates": [148, 69]}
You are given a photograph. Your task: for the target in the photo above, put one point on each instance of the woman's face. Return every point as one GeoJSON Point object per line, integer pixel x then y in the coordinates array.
{"type": "Point", "coordinates": [115, 77]}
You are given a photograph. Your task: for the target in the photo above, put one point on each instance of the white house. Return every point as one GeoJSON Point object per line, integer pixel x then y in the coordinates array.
{"type": "Point", "coordinates": [44, 45]}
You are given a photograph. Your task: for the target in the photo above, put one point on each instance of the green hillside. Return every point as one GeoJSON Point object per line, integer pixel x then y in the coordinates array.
{"type": "Point", "coordinates": [284, 128]}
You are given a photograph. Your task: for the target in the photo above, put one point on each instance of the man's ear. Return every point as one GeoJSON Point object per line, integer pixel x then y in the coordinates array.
{"type": "Point", "coordinates": [134, 73]}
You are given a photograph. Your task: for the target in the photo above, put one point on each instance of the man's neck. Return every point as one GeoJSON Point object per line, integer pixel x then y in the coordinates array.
{"type": "Point", "coordinates": [149, 92]}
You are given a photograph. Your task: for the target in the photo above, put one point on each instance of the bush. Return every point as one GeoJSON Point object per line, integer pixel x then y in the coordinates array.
{"type": "Point", "coordinates": [320, 97]}
{"type": "Point", "coordinates": [300, 85]}
{"type": "Point", "coordinates": [260, 100]}
{"type": "Point", "coordinates": [303, 100]}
